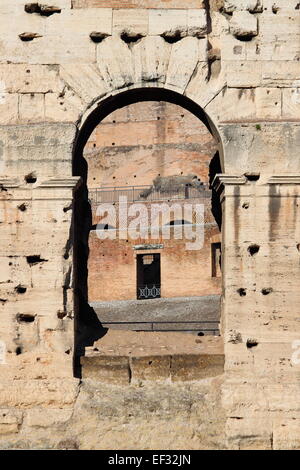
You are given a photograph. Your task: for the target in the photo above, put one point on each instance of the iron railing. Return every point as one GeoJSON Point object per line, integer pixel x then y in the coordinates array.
{"type": "Point", "coordinates": [148, 291]}
{"type": "Point", "coordinates": [209, 326]}
{"type": "Point", "coordinates": [145, 194]}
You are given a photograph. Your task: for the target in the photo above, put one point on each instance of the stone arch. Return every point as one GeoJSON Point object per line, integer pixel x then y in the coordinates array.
{"type": "Point", "coordinates": [103, 106]}
{"type": "Point", "coordinates": [95, 112]}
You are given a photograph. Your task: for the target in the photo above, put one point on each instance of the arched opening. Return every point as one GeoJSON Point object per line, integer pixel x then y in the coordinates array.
{"type": "Point", "coordinates": [146, 146]}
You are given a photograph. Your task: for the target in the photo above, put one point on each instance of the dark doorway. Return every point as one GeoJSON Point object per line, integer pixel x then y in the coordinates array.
{"type": "Point", "coordinates": [148, 276]}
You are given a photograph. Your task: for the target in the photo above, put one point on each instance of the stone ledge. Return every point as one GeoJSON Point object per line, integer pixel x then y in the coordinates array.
{"type": "Point", "coordinates": [122, 370]}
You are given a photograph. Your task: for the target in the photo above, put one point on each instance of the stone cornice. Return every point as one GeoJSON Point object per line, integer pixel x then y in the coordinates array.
{"type": "Point", "coordinates": [60, 183]}
{"type": "Point", "coordinates": [7, 183]}
{"type": "Point", "coordinates": [221, 180]}
{"type": "Point", "coordinates": [284, 179]}
{"type": "Point", "coordinates": [70, 182]}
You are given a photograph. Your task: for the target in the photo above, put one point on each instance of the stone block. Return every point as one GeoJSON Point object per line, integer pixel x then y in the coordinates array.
{"type": "Point", "coordinates": [290, 102]}
{"type": "Point", "coordinates": [168, 21]}
{"type": "Point", "coordinates": [66, 108]}
{"type": "Point", "coordinates": [22, 78]}
{"type": "Point", "coordinates": [32, 107]}
{"type": "Point", "coordinates": [243, 24]}
{"type": "Point", "coordinates": [150, 368]}
{"type": "Point", "coordinates": [243, 74]}
{"type": "Point", "coordinates": [110, 369]}
{"type": "Point", "coordinates": [86, 80]}
{"type": "Point", "coordinates": [286, 432]}
{"type": "Point", "coordinates": [268, 103]}
{"type": "Point", "coordinates": [10, 421]}
{"type": "Point", "coordinates": [9, 113]}
{"type": "Point", "coordinates": [197, 23]}
{"type": "Point", "coordinates": [115, 63]}
{"type": "Point", "coordinates": [254, 6]}
{"type": "Point", "coordinates": [183, 60]}
{"type": "Point", "coordinates": [134, 22]}
{"type": "Point", "coordinates": [151, 59]}
{"type": "Point", "coordinates": [52, 393]}
{"type": "Point", "coordinates": [45, 418]}
{"type": "Point", "coordinates": [196, 367]}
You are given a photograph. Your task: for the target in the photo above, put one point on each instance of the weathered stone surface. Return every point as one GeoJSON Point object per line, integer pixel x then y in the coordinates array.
{"type": "Point", "coordinates": [243, 24]}
{"type": "Point", "coordinates": [150, 368]}
{"type": "Point", "coordinates": [113, 370]}
{"type": "Point", "coordinates": [254, 6]}
{"type": "Point", "coordinates": [244, 72]}
{"type": "Point", "coordinates": [192, 367]}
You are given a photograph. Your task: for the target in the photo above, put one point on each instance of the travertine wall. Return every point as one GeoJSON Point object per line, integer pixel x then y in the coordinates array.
{"type": "Point", "coordinates": [240, 65]}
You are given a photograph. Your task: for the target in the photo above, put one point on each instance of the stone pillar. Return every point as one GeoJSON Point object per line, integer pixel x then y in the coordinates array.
{"type": "Point", "coordinates": [36, 292]}
{"type": "Point", "coordinates": [260, 318]}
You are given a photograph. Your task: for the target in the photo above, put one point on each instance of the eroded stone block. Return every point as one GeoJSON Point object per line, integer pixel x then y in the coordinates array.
{"type": "Point", "coordinates": [243, 24]}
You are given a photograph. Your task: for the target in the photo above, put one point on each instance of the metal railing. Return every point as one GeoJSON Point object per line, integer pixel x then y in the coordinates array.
{"type": "Point", "coordinates": [189, 326]}
{"type": "Point", "coordinates": [145, 194]}
{"type": "Point", "coordinates": [151, 291]}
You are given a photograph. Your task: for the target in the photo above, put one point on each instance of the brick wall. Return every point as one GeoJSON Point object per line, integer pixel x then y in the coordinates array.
{"type": "Point", "coordinates": [139, 142]}
{"type": "Point", "coordinates": [132, 146]}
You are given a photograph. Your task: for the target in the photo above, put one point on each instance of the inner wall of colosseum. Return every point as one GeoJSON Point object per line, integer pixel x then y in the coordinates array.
{"type": "Point", "coordinates": [65, 68]}
{"type": "Point", "coordinates": [132, 150]}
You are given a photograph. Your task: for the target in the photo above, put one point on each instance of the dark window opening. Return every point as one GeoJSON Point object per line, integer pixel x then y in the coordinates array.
{"type": "Point", "coordinates": [148, 276]}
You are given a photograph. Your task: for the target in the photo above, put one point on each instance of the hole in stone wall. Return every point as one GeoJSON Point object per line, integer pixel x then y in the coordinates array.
{"type": "Point", "coordinates": [34, 259]}
{"type": "Point", "coordinates": [245, 38]}
{"type": "Point", "coordinates": [43, 10]}
{"type": "Point", "coordinates": [28, 36]}
{"type": "Point", "coordinates": [25, 318]}
{"type": "Point", "coordinates": [267, 291]}
{"type": "Point", "coordinates": [61, 314]}
{"type": "Point", "coordinates": [245, 205]}
{"type": "Point", "coordinates": [22, 207]}
{"type": "Point", "coordinates": [242, 292]}
{"type": "Point", "coordinates": [97, 36]}
{"type": "Point", "coordinates": [30, 178]}
{"type": "Point", "coordinates": [172, 36]}
{"type": "Point", "coordinates": [129, 38]}
{"type": "Point", "coordinates": [252, 176]}
{"type": "Point", "coordinates": [20, 289]}
{"type": "Point", "coordinates": [18, 351]}
{"type": "Point", "coordinates": [67, 208]}
{"type": "Point", "coordinates": [253, 249]}
{"type": "Point", "coordinates": [251, 343]}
